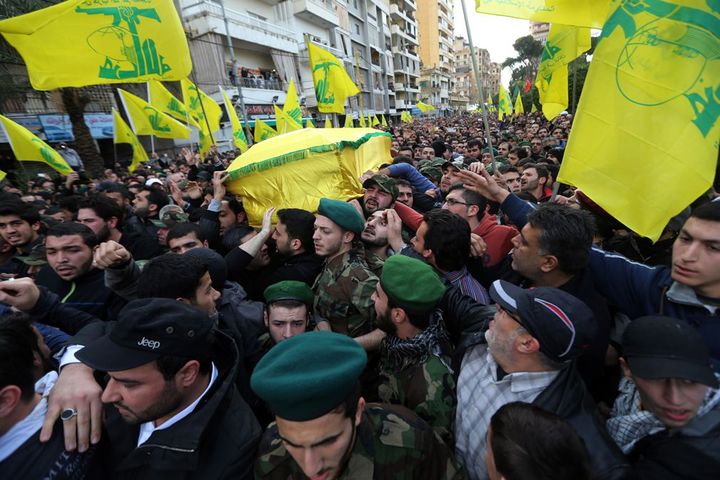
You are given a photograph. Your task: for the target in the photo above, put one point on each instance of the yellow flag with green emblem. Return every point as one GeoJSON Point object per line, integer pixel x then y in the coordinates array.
{"type": "Point", "coordinates": [29, 148]}
{"type": "Point", "coordinates": [263, 131]}
{"type": "Point", "coordinates": [86, 42]}
{"type": "Point", "coordinates": [349, 122]}
{"type": "Point", "coordinates": [284, 123]}
{"type": "Point", "coordinates": [201, 106]}
{"type": "Point", "coordinates": [582, 13]}
{"type": "Point", "coordinates": [504, 103]}
{"type": "Point", "coordinates": [424, 107]}
{"type": "Point", "coordinates": [161, 98]}
{"type": "Point", "coordinates": [490, 104]}
{"type": "Point", "coordinates": [239, 138]}
{"type": "Point", "coordinates": [123, 134]}
{"type": "Point", "coordinates": [564, 44]}
{"type": "Point", "coordinates": [383, 122]}
{"type": "Point", "coordinates": [292, 104]}
{"type": "Point", "coordinates": [644, 141]}
{"type": "Point", "coordinates": [148, 120]}
{"type": "Point", "coordinates": [328, 122]}
{"type": "Point", "coordinates": [332, 83]}
{"type": "Point", "coordinates": [519, 108]}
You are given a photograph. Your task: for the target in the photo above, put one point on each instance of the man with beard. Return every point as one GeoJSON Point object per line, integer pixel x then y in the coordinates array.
{"type": "Point", "coordinates": [375, 240]}
{"type": "Point", "coordinates": [70, 273]}
{"type": "Point", "coordinates": [325, 430]}
{"type": "Point", "coordinates": [380, 193]}
{"type": "Point", "coordinates": [287, 312]}
{"type": "Point", "coordinates": [415, 355]}
{"type": "Point", "coordinates": [147, 205]}
{"type": "Point", "coordinates": [104, 217]}
{"type": "Point", "coordinates": [171, 379]}
{"type": "Point", "coordinates": [533, 180]}
{"type": "Point", "coordinates": [20, 226]}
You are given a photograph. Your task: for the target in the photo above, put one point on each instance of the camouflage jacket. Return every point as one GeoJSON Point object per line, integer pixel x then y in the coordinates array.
{"type": "Point", "coordinates": [342, 294]}
{"type": "Point", "coordinates": [392, 443]}
{"type": "Point", "coordinates": [418, 376]}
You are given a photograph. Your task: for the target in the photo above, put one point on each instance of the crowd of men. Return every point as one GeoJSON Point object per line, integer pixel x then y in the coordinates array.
{"type": "Point", "coordinates": [457, 320]}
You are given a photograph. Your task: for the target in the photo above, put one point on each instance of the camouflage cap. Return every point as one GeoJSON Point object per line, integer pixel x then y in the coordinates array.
{"type": "Point", "coordinates": [433, 173]}
{"type": "Point", "coordinates": [343, 214]}
{"type": "Point", "coordinates": [36, 257]}
{"type": "Point", "coordinates": [459, 164]}
{"type": "Point", "coordinates": [289, 290]}
{"type": "Point", "coordinates": [307, 376]}
{"type": "Point", "coordinates": [411, 284]}
{"type": "Point", "coordinates": [384, 183]}
{"type": "Point", "coordinates": [170, 215]}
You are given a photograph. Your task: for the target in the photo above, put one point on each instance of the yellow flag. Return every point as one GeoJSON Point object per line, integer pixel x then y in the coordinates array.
{"type": "Point", "coordinates": [332, 83]}
{"type": "Point", "coordinates": [328, 122]}
{"type": "Point", "coordinates": [362, 120]}
{"type": "Point", "coordinates": [405, 116]}
{"type": "Point", "coordinates": [644, 142]}
{"type": "Point", "coordinates": [383, 122]}
{"type": "Point", "coordinates": [161, 98]}
{"type": "Point", "coordinates": [292, 104]}
{"type": "Point", "coordinates": [239, 138]}
{"type": "Point", "coordinates": [123, 134]}
{"type": "Point", "coordinates": [148, 120]}
{"type": "Point", "coordinates": [374, 121]}
{"type": "Point", "coordinates": [284, 123]}
{"type": "Point", "coordinates": [2, 175]}
{"type": "Point", "coordinates": [29, 148]}
{"type": "Point", "coordinates": [504, 103]}
{"type": "Point", "coordinates": [582, 13]}
{"type": "Point", "coordinates": [201, 106]}
{"type": "Point", "coordinates": [263, 131]}
{"type": "Point", "coordinates": [534, 108]}
{"type": "Point", "coordinates": [490, 104]}
{"type": "Point", "coordinates": [519, 108]}
{"type": "Point", "coordinates": [349, 121]}
{"type": "Point", "coordinates": [563, 45]}
{"type": "Point", "coordinates": [424, 107]}
{"type": "Point", "coordinates": [83, 42]}
{"type": "Point", "coordinates": [309, 123]}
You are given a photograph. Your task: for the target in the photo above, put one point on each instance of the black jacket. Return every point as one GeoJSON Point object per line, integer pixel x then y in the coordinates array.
{"type": "Point", "coordinates": [217, 440]}
{"type": "Point", "coordinates": [568, 397]}
{"type": "Point", "coordinates": [87, 292]}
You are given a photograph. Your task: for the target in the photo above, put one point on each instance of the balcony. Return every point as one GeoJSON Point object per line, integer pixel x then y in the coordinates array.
{"type": "Point", "coordinates": [396, 30]}
{"type": "Point", "coordinates": [397, 12]}
{"type": "Point", "coordinates": [319, 12]}
{"type": "Point", "coordinates": [399, 87]}
{"type": "Point", "coordinates": [413, 88]}
{"type": "Point", "coordinates": [205, 17]}
{"type": "Point", "coordinates": [401, 104]}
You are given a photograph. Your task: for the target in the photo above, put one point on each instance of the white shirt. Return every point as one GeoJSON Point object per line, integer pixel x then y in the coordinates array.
{"type": "Point", "coordinates": [28, 426]}
{"type": "Point", "coordinates": [480, 395]}
{"type": "Point", "coordinates": [147, 428]}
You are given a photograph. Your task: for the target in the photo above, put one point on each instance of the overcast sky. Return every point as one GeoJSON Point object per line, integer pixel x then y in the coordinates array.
{"type": "Point", "coordinates": [494, 33]}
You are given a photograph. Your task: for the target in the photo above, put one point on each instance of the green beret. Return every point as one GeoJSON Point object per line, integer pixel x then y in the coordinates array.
{"type": "Point", "coordinates": [343, 214]}
{"type": "Point", "coordinates": [411, 284]}
{"type": "Point", "coordinates": [289, 290]}
{"type": "Point", "coordinates": [307, 376]}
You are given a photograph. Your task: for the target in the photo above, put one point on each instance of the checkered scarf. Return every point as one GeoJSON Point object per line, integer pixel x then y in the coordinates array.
{"type": "Point", "coordinates": [402, 353]}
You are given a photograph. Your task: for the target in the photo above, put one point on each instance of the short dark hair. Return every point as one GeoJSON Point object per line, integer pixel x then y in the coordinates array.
{"type": "Point", "coordinates": [232, 237]}
{"type": "Point", "coordinates": [157, 197]}
{"type": "Point", "coordinates": [448, 236]}
{"type": "Point", "coordinates": [554, 452]}
{"type": "Point", "coordinates": [103, 207]}
{"type": "Point", "coordinates": [471, 198]}
{"type": "Point", "coordinates": [169, 365]}
{"type": "Point", "coordinates": [349, 405]}
{"type": "Point", "coordinates": [402, 159]}
{"type": "Point", "coordinates": [506, 168]}
{"type": "Point", "coordinates": [26, 212]}
{"type": "Point", "coordinates": [567, 233]}
{"type": "Point", "coordinates": [709, 211]}
{"type": "Point", "coordinates": [65, 229]}
{"type": "Point", "coordinates": [181, 229]}
{"type": "Point", "coordinates": [404, 183]}
{"type": "Point", "coordinates": [475, 142]}
{"type": "Point", "coordinates": [300, 225]}
{"type": "Point", "coordinates": [17, 343]}
{"type": "Point", "coordinates": [520, 152]}
{"type": "Point", "coordinates": [233, 204]}
{"type": "Point", "coordinates": [541, 170]}
{"type": "Point", "coordinates": [171, 276]}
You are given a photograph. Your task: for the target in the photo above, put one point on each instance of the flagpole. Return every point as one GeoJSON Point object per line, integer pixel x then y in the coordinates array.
{"type": "Point", "coordinates": [361, 104]}
{"type": "Point", "coordinates": [152, 137]}
{"type": "Point", "coordinates": [481, 94]}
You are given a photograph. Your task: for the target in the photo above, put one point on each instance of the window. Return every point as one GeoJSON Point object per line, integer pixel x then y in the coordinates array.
{"type": "Point", "coordinates": [357, 29]}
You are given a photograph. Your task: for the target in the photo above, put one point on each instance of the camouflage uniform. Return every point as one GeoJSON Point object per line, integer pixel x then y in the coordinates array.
{"type": "Point", "coordinates": [419, 377]}
{"type": "Point", "coordinates": [374, 262]}
{"type": "Point", "coordinates": [342, 294]}
{"type": "Point", "coordinates": [391, 443]}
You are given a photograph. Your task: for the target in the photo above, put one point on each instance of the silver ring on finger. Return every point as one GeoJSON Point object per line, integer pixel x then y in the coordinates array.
{"type": "Point", "coordinates": [67, 414]}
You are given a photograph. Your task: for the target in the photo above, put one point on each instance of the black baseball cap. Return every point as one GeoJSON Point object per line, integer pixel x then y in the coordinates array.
{"type": "Point", "coordinates": [562, 323]}
{"type": "Point", "coordinates": [664, 347]}
{"type": "Point", "coordinates": [147, 329]}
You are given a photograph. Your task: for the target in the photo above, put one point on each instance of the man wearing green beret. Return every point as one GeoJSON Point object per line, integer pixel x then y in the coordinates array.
{"type": "Point", "coordinates": [324, 430]}
{"type": "Point", "coordinates": [345, 285]}
{"type": "Point", "coordinates": [415, 356]}
{"type": "Point", "coordinates": [287, 312]}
